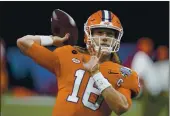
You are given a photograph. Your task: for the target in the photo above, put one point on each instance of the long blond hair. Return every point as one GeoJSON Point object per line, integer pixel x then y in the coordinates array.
{"type": "Point", "coordinates": [114, 56]}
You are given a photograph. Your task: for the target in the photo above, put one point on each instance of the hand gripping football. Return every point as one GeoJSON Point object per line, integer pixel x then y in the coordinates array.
{"type": "Point", "coordinates": [62, 23]}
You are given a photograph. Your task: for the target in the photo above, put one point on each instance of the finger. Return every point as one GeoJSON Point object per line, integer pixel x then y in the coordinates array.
{"type": "Point", "coordinates": [89, 43]}
{"type": "Point", "coordinates": [83, 59]}
{"type": "Point", "coordinates": [93, 50]}
{"type": "Point", "coordinates": [89, 47]}
{"type": "Point", "coordinates": [102, 53]}
{"type": "Point", "coordinates": [96, 67]}
{"type": "Point", "coordinates": [99, 52]}
{"type": "Point", "coordinates": [90, 51]}
{"type": "Point", "coordinates": [66, 37]}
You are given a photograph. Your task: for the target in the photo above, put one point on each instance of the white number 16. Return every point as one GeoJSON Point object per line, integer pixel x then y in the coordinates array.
{"type": "Point", "coordinates": [89, 89]}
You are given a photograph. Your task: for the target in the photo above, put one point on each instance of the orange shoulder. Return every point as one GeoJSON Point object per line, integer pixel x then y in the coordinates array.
{"type": "Point", "coordinates": [131, 80]}
{"type": "Point", "coordinates": [63, 48]}
{"type": "Point", "coordinates": [63, 52]}
{"type": "Point", "coordinates": [136, 88]}
{"type": "Point", "coordinates": [128, 78]}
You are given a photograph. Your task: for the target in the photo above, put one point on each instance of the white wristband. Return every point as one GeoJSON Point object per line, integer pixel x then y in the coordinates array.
{"type": "Point", "coordinates": [46, 40]}
{"type": "Point", "coordinates": [101, 82]}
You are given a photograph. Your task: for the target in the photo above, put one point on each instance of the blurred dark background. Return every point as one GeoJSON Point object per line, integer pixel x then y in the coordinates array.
{"type": "Point", "coordinates": [145, 23]}
{"type": "Point", "coordinates": [145, 18]}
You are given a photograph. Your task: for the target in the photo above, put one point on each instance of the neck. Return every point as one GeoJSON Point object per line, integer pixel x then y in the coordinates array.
{"type": "Point", "coordinates": [105, 58]}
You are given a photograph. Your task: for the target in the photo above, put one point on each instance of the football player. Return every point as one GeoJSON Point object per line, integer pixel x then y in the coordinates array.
{"type": "Point", "coordinates": [89, 84]}
{"type": "Point", "coordinates": [3, 69]}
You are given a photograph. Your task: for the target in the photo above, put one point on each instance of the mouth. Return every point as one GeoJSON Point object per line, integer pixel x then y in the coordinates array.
{"type": "Point", "coordinates": [104, 45]}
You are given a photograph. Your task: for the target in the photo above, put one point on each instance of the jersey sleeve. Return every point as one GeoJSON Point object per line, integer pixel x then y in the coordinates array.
{"type": "Point", "coordinates": [44, 57]}
{"type": "Point", "coordinates": [127, 94]}
{"type": "Point", "coordinates": [131, 82]}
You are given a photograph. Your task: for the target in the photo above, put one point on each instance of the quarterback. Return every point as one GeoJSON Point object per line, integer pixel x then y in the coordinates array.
{"type": "Point", "coordinates": [89, 83]}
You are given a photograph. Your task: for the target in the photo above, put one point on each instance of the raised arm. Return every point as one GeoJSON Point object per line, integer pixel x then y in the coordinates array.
{"type": "Point", "coordinates": [33, 46]}
{"type": "Point", "coordinates": [27, 41]}
{"type": "Point", "coordinates": [117, 100]}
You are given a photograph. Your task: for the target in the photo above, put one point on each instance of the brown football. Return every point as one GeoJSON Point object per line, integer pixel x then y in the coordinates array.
{"type": "Point", "coordinates": [62, 23]}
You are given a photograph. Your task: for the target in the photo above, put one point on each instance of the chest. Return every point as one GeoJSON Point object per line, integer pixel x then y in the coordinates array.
{"type": "Point", "coordinates": [81, 87]}
{"type": "Point", "coordinates": [74, 73]}
{"type": "Point", "coordinates": [79, 76]}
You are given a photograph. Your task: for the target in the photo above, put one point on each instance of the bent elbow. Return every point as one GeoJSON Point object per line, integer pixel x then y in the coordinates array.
{"type": "Point", "coordinates": [19, 42]}
{"type": "Point", "coordinates": [121, 109]}
{"type": "Point", "coordinates": [24, 42]}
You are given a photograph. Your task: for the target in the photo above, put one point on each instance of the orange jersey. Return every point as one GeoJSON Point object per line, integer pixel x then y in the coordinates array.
{"type": "Point", "coordinates": [4, 80]}
{"type": "Point", "coordinates": [77, 93]}
{"type": "Point", "coordinates": [4, 76]}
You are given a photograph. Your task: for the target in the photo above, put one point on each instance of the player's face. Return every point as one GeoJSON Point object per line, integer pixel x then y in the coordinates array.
{"type": "Point", "coordinates": [103, 36]}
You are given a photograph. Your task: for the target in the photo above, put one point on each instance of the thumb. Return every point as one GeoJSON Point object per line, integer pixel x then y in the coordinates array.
{"type": "Point", "coordinates": [58, 41]}
{"type": "Point", "coordinates": [66, 37]}
{"type": "Point", "coordinates": [83, 59]}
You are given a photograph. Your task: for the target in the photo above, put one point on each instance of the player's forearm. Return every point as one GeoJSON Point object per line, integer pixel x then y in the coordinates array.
{"type": "Point", "coordinates": [41, 40]}
{"type": "Point", "coordinates": [115, 100]}
{"type": "Point", "coordinates": [27, 41]}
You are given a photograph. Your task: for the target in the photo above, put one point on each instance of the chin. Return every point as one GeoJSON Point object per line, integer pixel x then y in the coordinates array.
{"type": "Point", "coordinates": [106, 53]}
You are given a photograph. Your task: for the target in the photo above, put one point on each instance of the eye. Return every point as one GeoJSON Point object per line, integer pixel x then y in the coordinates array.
{"type": "Point", "coordinates": [100, 32]}
{"type": "Point", "coordinates": [111, 34]}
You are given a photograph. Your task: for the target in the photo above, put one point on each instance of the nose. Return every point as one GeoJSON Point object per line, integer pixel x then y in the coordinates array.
{"type": "Point", "coordinates": [104, 39]}
{"type": "Point", "coordinates": [104, 34]}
